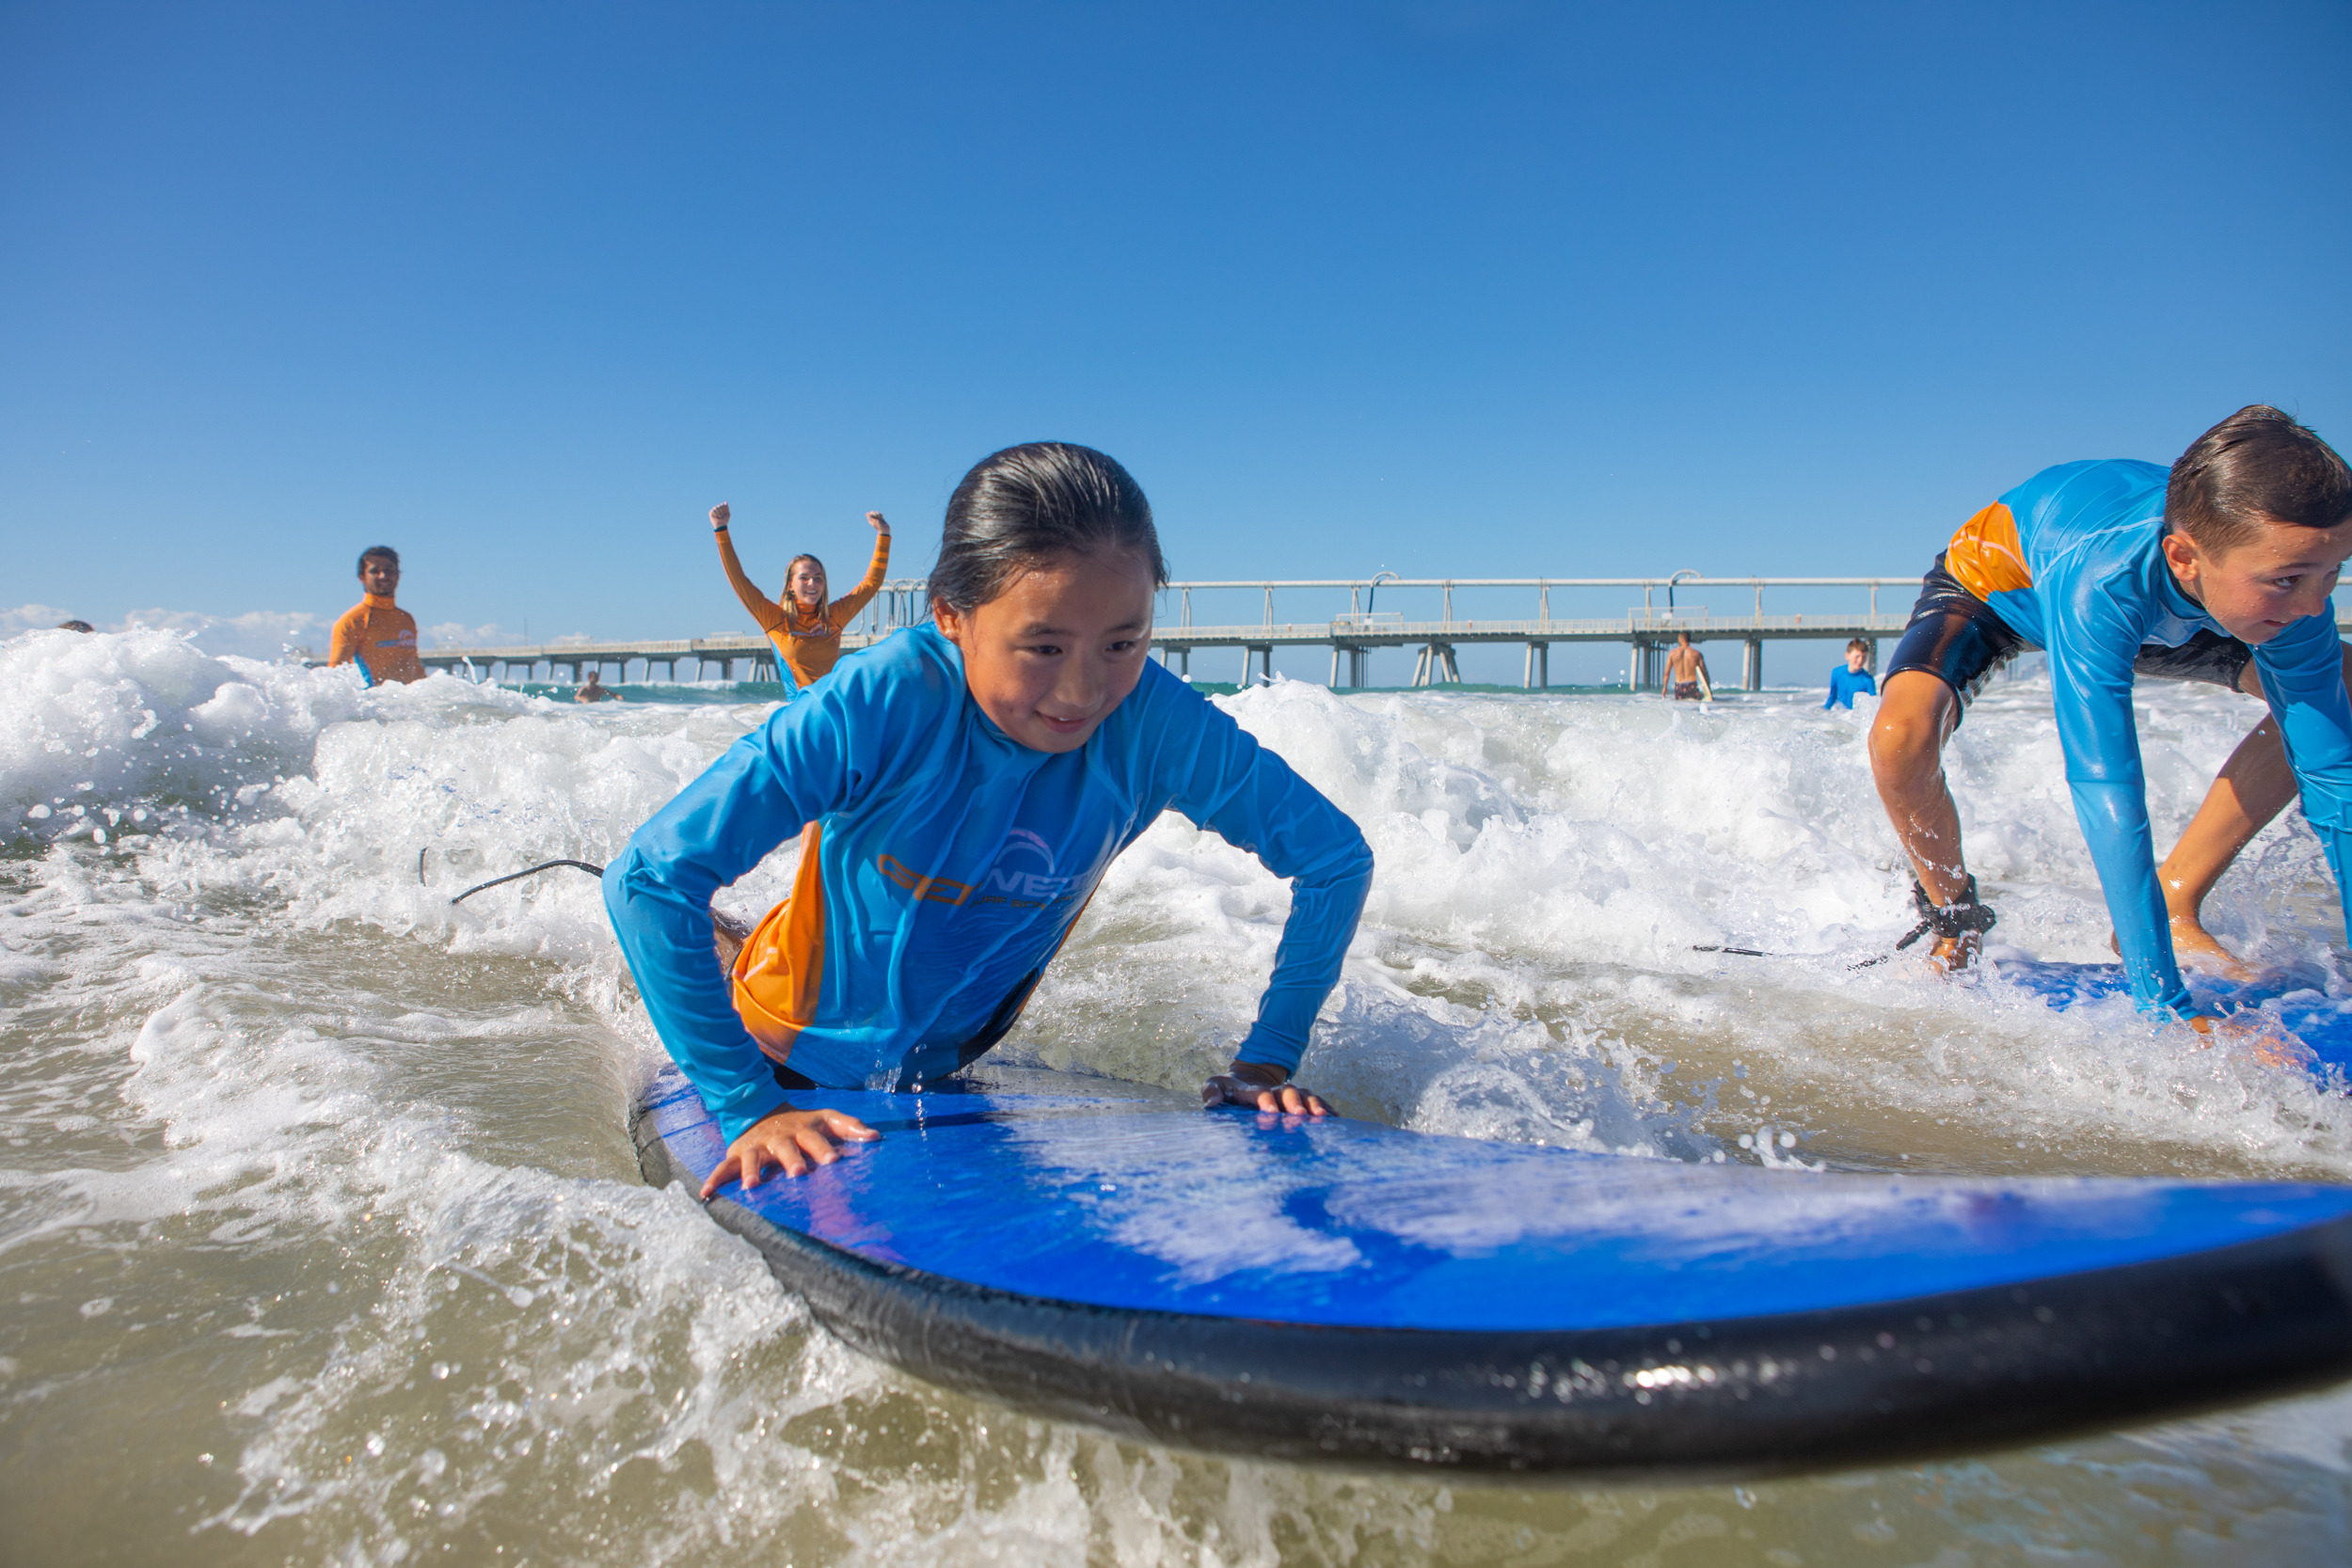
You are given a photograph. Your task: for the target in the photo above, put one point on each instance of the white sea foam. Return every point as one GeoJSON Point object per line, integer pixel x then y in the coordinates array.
{"type": "Point", "coordinates": [356, 1159]}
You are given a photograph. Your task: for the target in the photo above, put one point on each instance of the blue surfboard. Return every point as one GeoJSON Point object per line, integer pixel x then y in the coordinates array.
{"type": "Point", "coordinates": [1345, 1292]}
{"type": "Point", "coordinates": [2297, 999]}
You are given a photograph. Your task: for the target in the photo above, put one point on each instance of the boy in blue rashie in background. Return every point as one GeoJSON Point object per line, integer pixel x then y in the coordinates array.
{"type": "Point", "coordinates": [2221, 570]}
{"type": "Point", "coordinates": [959, 792]}
{"type": "Point", "coordinates": [1850, 679]}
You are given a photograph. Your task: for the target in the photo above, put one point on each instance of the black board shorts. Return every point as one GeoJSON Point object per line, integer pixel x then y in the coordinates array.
{"type": "Point", "coordinates": [1960, 641]}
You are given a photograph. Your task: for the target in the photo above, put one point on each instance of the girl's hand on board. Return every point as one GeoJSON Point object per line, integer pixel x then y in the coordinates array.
{"type": "Point", "coordinates": [1262, 1088]}
{"type": "Point", "coordinates": [880, 526]}
{"type": "Point", "coordinates": [789, 1139]}
{"type": "Point", "coordinates": [718, 516]}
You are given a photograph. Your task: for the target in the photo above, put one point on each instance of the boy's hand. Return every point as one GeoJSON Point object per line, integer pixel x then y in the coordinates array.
{"type": "Point", "coordinates": [789, 1139]}
{"type": "Point", "coordinates": [718, 516]}
{"type": "Point", "coordinates": [876, 518]}
{"type": "Point", "coordinates": [1262, 1088]}
{"type": "Point", "coordinates": [2259, 1035]}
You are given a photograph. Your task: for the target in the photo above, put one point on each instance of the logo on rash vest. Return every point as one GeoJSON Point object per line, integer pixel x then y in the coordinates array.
{"type": "Point", "coordinates": [1015, 881]}
{"type": "Point", "coordinates": [939, 890]}
{"type": "Point", "coordinates": [1023, 877]}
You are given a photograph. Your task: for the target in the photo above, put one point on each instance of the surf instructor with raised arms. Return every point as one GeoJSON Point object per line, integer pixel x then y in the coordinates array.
{"type": "Point", "coordinates": [958, 791]}
{"type": "Point", "coordinates": [2219, 570]}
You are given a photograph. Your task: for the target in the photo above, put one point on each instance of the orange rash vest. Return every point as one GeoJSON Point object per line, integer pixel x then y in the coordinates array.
{"type": "Point", "coordinates": [808, 646]}
{"type": "Point", "coordinates": [380, 634]}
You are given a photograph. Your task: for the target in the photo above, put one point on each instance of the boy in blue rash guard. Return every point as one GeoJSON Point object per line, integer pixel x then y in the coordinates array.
{"type": "Point", "coordinates": [2221, 570]}
{"type": "Point", "coordinates": [959, 792]}
{"type": "Point", "coordinates": [1850, 680]}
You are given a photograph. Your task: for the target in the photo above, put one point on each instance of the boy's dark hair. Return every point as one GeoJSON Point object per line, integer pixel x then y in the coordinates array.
{"type": "Point", "coordinates": [1025, 504]}
{"type": "Point", "coordinates": [2257, 464]}
{"type": "Point", "coordinates": [1855, 643]}
{"type": "Point", "coordinates": [376, 552]}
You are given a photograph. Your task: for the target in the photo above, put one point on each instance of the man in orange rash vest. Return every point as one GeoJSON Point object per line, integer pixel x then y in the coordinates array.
{"type": "Point", "coordinates": [805, 631]}
{"type": "Point", "coordinates": [376, 634]}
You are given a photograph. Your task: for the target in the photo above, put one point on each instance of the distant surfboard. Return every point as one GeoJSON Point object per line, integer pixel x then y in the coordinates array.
{"type": "Point", "coordinates": [1344, 1292]}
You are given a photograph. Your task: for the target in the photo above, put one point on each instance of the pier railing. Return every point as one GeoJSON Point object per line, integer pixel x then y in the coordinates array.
{"type": "Point", "coordinates": [1351, 628]}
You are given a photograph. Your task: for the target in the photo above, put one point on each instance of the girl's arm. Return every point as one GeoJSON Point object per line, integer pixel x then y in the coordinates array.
{"type": "Point", "coordinates": [846, 607]}
{"type": "Point", "coordinates": [763, 609]}
{"type": "Point", "coordinates": [763, 789]}
{"type": "Point", "coordinates": [1248, 796]}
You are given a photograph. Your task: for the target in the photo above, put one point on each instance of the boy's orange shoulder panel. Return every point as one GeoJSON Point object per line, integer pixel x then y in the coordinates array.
{"type": "Point", "coordinates": [1986, 556]}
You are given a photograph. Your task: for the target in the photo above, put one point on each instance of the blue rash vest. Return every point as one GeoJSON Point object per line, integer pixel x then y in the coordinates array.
{"type": "Point", "coordinates": [942, 866]}
{"type": "Point", "coordinates": [2071, 562]}
{"type": "Point", "coordinates": [1846, 685]}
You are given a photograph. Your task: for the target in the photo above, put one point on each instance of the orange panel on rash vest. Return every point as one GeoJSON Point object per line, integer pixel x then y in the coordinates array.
{"type": "Point", "coordinates": [779, 973]}
{"type": "Point", "coordinates": [1986, 555]}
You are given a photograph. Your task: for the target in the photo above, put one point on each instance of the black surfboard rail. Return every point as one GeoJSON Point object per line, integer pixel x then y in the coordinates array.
{"type": "Point", "coordinates": [1891, 1382]}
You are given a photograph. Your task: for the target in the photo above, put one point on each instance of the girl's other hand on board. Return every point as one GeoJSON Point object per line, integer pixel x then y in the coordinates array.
{"type": "Point", "coordinates": [1262, 1088]}
{"type": "Point", "coordinates": [789, 1139]}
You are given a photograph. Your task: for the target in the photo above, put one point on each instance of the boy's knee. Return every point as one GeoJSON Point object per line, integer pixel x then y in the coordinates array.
{"type": "Point", "coordinates": [1907, 738]}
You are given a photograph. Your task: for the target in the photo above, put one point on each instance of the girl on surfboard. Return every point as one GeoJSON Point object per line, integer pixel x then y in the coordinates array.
{"type": "Point", "coordinates": [958, 791]}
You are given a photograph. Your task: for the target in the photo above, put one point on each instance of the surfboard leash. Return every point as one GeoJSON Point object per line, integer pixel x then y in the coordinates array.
{"type": "Point", "coordinates": [1960, 917]}
{"type": "Point", "coordinates": [593, 870]}
{"type": "Point", "coordinates": [729, 933]}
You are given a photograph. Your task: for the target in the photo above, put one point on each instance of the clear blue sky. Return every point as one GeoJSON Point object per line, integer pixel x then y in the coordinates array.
{"type": "Point", "coordinates": [1479, 288]}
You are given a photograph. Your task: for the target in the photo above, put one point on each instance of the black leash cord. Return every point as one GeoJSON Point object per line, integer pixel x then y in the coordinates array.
{"type": "Point", "coordinates": [533, 871]}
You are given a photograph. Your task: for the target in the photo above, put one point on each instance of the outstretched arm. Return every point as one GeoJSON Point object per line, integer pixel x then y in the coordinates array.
{"type": "Point", "coordinates": [1248, 796]}
{"type": "Point", "coordinates": [2303, 681]}
{"type": "Point", "coordinates": [761, 791]}
{"type": "Point", "coordinates": [2091, 688]}
{"type": "Point", "coordinates": [763, 609]}
{"type": "Point", "coordinates": [845, 609]}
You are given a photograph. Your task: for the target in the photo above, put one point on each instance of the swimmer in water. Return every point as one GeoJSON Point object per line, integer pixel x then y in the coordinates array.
{"type": "Point", "coordinates": [805, 631]}
{"type": "Point", "coordinates": [376, 634]}
{"type": "Point", "coordinates": [593, 690]}
{"type": "Point", "coordinates": [958, 793]}
{"type": "Point", "coordinates": [2221, 570]}
{"type": "Point", "coordinates": [76, 626]}
{"type": "Point", "coordinates": [1686, 672]}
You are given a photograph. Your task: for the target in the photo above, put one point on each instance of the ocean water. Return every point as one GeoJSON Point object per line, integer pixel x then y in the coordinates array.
{"type": "Point", "coordinates": [321, 1237]}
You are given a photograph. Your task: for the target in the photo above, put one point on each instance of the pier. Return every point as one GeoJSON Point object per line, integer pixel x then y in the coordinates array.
{"type": "Point", "coordinates": [1350, 634]}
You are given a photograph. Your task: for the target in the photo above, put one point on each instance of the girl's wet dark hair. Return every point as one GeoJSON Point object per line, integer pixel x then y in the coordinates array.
{"type": "Point", "coordinates": [1028, 503]}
